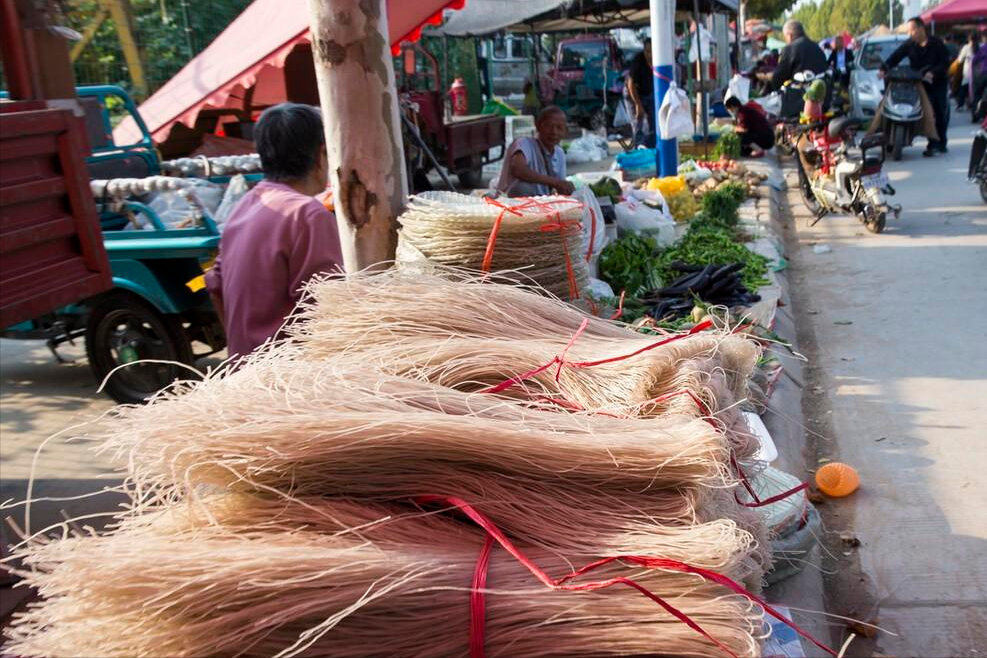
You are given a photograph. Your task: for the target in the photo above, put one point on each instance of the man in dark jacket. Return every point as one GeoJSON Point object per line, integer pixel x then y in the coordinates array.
{"type": "Point", "coordinates": [927, 54]}
{"type": "Point", "coordinates": [801, 54]}
{"type": "Point", "coordinates": [840, 62]}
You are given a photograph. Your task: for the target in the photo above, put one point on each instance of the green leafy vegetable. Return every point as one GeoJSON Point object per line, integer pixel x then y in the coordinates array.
{"type": "Point", "coordinates": [708, 245]}
{"type": "Point", "coordinates": [607, 186]}
{"type": "Point", "coordinates": [727, 146]}
{"type": "Point", "coordinates": [719, 208]}
{"type": "Point", "coordinates": [631, 264]}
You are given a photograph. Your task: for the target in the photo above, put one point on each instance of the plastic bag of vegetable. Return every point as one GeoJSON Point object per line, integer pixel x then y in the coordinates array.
{"type": "Point", "coordinates": [635, 217]}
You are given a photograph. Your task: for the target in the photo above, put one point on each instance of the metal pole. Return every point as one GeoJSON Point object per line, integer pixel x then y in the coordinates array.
{"type": "Point", "coordinates": [891, 13]}
{"type": "Point", "coordinates": [663, 68]}
{"type": "Point", "coordinates": [417, 139]}
{"type": "Point", "coordinates": [187, 24]}
{"type": "Point", "coordinates": [445, 64]}
{"type": "Point", "coordinates": [741, 31]}
{"type": "Point", "coordinates": [702, 78]}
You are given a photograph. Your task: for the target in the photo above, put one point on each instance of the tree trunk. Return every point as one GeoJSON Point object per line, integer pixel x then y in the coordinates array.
{"type": "Point", "coordinates": [355, 73]}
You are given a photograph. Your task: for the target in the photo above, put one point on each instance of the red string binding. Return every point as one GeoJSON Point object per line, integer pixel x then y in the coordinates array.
{"type": "Point", "coordinates": [648, 562]}
{"type": "Point", "coordinates": [592, 234]}
{"type": "Point", "coordinates": [478, 621]}
{"type": "Point", "coordinates": [558, 225]}
{"type": "Point", "coordinates": [620, 306]}
{"type": "Point", "coordinates": [504, 385]}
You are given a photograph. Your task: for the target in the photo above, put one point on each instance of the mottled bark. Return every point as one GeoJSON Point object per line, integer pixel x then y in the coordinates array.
{"type": "Point", "coordinates": [354, 70]}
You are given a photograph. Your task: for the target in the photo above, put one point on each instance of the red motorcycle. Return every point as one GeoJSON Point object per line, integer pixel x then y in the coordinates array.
{"type": "Point", "coordinates": [839, 174]}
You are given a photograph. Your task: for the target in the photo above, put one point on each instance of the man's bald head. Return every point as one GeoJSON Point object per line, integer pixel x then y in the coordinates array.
{"type": "Point", "coordinates": [793, 30]}
{"type": "Point", "coordinates": [551, 110]}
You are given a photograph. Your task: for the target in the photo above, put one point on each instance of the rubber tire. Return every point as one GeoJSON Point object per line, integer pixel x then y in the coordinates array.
{"type": "Point", "coordinates": [808, 196]}
{"type": "Point", "coordinates": [783, 144]}
{"type": "Point", "coordinates": [471, 179]}
{"type": "Point", "coordinates": [897, 142]}
{"type": "Point", "coordinates": [877, 225]}
{"type": "Point", "coordinates": [101, 361]}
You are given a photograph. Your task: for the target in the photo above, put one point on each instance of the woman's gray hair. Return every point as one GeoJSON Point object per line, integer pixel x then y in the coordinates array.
{"type": "Point", "coordinates": [288, 138]}
{"type": "Point", "coordinates": [794, 28]}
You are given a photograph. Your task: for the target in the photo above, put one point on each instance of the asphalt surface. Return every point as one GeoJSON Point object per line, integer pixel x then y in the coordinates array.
{"type": "Point", "coordinates": [899, 324]}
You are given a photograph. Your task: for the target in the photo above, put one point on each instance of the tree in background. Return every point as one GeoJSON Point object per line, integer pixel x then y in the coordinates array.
{"type": "Point", "coordinates": [767, 9]}
{"type": "Point", "coordinates": [168, 34]}
{"type": "Point", "coordinates": [830, 17]}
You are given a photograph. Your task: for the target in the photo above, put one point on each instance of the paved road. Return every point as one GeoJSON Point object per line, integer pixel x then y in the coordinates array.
{"type": "Point", "coordinates": [904, 399]}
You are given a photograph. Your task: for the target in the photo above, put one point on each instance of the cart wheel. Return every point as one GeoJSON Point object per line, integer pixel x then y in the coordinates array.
{"type": "Point", "coordinates": [121, 329]}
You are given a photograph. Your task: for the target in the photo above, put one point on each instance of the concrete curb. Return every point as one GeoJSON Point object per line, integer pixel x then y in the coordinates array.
{"type": "Point", "coordinates": [784, 417]}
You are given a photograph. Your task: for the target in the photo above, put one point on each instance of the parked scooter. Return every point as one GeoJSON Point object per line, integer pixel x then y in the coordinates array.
{"type": "Point", "coordinates": [834, 178]}
{"type": "Point", "coordinates": [785, 108]}
{"type": "Point", "coordinates": [977, 172]}
{"type": "Point", "coordinates": [902, 113]}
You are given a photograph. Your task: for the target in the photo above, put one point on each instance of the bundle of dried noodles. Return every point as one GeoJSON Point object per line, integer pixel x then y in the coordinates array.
{"type": "Point", "coordinates": [244, 576]}
{"type": "Point", "coordinates": [541, 237]}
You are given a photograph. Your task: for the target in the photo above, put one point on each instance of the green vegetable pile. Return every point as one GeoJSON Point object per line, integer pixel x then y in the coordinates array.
{"type": "Point", "coordinates": [719, 208]}
{"type": "Point", "coordinates": [727, 146]}
{"type": "Point", "coordinates": [607, 186]}
{"type": "Point", "coordinates": [636, 264]}
{"type": "Point", "coordinates": [631, 264]}
{"type": "Point", "coordinates": [708, 245]}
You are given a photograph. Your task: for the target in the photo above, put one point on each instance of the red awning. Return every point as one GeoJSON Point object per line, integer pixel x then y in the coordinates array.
{"type": "Point", "coordinates": [258, 41]}
{"type": "Point", "coordinates": [957, 11]}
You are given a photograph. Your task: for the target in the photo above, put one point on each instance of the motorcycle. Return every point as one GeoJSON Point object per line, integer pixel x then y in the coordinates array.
{"type": "Point", "coordinates": [977, 172]}
{"type": "Point", "coordinates": [837, 175]}
{"type": "Point", "coordinates": [786, 105]}
{"type": "Point", "coordinates": [902, 113]}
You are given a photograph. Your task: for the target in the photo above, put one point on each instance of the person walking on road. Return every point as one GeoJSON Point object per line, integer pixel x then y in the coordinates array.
{"type": "Point", "coordinates": [840, 62]}
{"type": "Point", "coordinates": [801, 54]}
{"type": "Point", "coordinates": [965, 62]}
{"type": "Point", "coordinates": [928, 56]}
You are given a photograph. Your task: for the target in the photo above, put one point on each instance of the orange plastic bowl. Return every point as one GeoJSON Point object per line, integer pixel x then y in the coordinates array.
{"type": "Point", "coordinates": [837, 480]}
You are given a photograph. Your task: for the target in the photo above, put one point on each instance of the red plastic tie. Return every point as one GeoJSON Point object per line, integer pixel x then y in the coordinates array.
{"type": "Point", "coordinates": [561, 357]}
{"type": "Point", "coordinates": [661, 76]}
{"type": "Point", "coordinates": [706, 324]}
{"type": "Point", "coordinates": [592, 233]}
{"type": "Point", "coordinates": [620, 306]}
{"type": "Point", "coordinates": [478, 615]}
{"type": "Point", "coordinates": [750, 489]}
{"type": "Point", "coordinates": [559, 225]}
{"type": "Point", "coordinates": [648, 562]}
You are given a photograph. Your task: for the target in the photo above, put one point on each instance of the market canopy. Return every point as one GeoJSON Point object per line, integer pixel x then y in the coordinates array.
{"type": "Point", "coordinates": [957, 11]}
{"type": "Point", "coordinates": [257, 42]}
{"type": "Point", "coordinates": [486, 16]}
{"type": "Point", "coordinates": [539, 16]}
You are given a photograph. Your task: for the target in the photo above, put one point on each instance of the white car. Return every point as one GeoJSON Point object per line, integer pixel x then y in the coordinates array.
{"type": "Point", "coordinates": [866, 89]}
